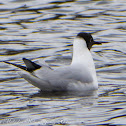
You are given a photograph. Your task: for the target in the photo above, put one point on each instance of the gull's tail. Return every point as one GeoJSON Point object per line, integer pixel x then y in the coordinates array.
{"type": "Point", "coordinates": [30, 66]}
{"type": "Point", "coordinates": [17, 65]}
{"type": "Point", "coordinates": [42, 84]}
{"type": "Point", "coordinates": [31, 73]}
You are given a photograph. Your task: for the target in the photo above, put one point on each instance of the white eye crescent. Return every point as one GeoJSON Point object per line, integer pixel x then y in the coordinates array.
{"type": "Point", "coordinates": [91, 40]}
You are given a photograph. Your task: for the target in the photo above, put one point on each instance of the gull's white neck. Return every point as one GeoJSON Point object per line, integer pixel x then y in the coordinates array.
{"type": "Point", "coordinates": [83, 58]}
{"type": "Point", "coordinates": [81, 53]}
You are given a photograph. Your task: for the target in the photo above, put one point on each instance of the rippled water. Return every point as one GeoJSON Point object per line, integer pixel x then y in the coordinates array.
{"type": "Point", "coordinates": [45, 29]}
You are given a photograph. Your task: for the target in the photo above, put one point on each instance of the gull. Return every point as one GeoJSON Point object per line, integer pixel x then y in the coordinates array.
{"type": "Point", "coordinates": [80, 75]}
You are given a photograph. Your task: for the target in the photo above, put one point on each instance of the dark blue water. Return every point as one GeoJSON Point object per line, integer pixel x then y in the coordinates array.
{"type": "Point", "coordinates": [45, 29]}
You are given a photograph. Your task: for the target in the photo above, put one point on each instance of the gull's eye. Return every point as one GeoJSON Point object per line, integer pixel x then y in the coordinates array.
{"type": "Point", "coordinates": [91, 40]}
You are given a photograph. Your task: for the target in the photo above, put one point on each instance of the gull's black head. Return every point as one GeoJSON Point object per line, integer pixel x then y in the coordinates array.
{"type": "Point", "coordinates": [88, 38]}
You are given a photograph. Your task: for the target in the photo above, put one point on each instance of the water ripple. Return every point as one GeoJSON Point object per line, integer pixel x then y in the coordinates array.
{"type": "Point", "coordinates": [45, 29]}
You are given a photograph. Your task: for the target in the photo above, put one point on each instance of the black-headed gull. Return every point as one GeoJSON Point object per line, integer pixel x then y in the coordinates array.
{"type": "Point", "coordinates": [80, 75]}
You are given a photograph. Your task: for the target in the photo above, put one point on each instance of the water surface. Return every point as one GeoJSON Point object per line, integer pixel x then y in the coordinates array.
{"type": "Point", "coordinates": [45, 29]}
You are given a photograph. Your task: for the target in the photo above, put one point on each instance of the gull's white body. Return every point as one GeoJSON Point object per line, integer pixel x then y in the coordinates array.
{"type": "Point", "coordinates": [79, 76]}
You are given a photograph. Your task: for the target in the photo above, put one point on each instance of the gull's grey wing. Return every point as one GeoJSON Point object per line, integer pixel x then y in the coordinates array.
{"type": "Point", "coordinates": [17, 65]}
{"type": "Point", "coordinates": [31, 66]}
{"type": "Point", "coordinates": [75, 74]}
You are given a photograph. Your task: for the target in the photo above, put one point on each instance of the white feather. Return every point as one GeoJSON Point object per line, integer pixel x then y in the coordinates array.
{"type": "Point", "coordinates": [79, 76]}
